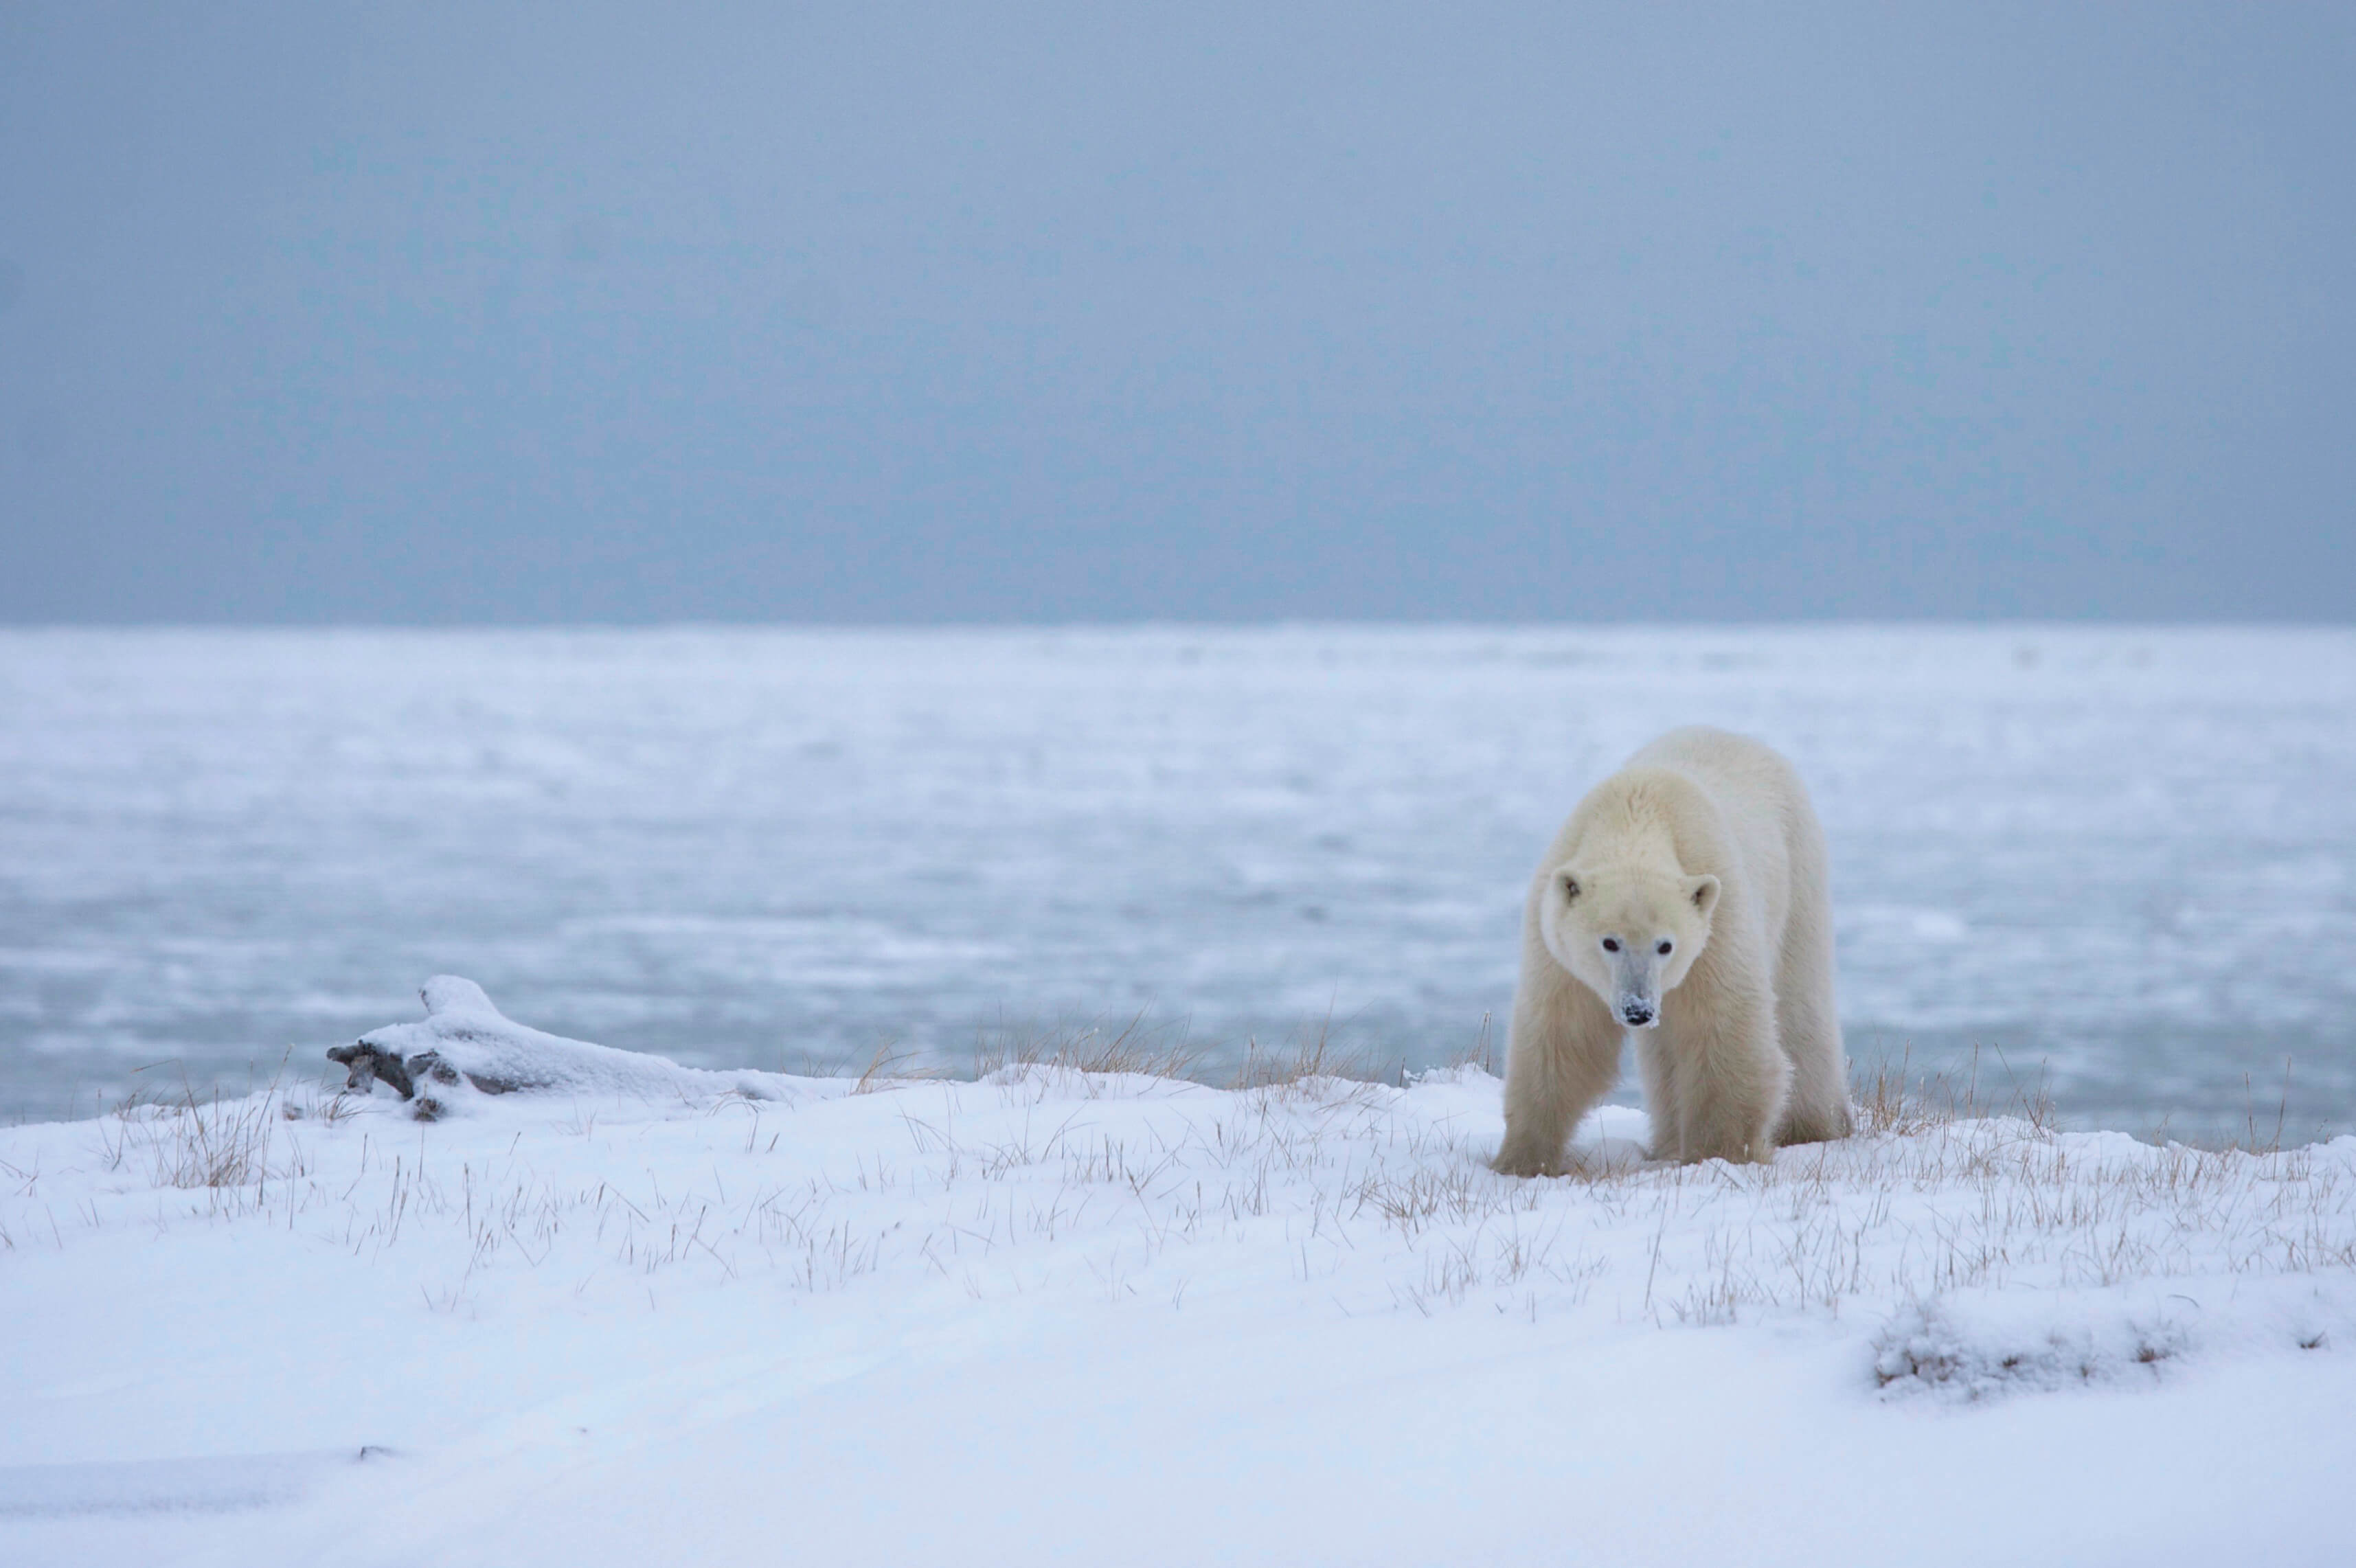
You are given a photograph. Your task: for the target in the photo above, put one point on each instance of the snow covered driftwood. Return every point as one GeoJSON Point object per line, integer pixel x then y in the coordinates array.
{"type": "Point", "coordinates": [464, 1046]}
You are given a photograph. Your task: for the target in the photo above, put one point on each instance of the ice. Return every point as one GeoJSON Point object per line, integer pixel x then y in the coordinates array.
{"type": "Point", "coordinates": [2121, 857]}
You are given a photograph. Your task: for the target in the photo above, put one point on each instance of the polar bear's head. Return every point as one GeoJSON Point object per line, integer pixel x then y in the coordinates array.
{"type": "Point", "coordinates": [1629, 933]}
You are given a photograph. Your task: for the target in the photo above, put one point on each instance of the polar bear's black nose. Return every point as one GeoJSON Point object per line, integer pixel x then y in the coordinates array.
{"type": "Point", "coordinates": [1637, 1014]}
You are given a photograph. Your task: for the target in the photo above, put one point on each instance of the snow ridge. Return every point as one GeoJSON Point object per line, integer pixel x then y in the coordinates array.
{"type": "Point", "coordinates": [1977, 1345]}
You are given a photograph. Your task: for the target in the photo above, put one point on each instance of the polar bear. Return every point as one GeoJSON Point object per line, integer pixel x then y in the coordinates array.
{"type": "Point", "coordinates": [1684, 900]}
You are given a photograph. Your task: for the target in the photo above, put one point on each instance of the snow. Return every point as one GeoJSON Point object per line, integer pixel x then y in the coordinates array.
{"type": "Point", "coordinates": [2126, 853]}
{"type": "Point", "coordinates": [464, 1046]}
{"type": "Point", "coordinates": [1112, 1317]}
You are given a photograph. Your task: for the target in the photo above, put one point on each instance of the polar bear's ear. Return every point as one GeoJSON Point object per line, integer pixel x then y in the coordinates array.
{"type": "Point", "coordinates": [1703, 890]}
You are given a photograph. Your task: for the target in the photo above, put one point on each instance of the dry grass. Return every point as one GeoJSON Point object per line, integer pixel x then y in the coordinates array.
{"type": "Point", "coordinates": [1479, 1050]}
{"type": "Point", "coordinates": [2254, 1136]}
{"type": "Point", "coordinates": [1364, 1197]}
{"type": "Point", "coordinates": [889, 1068]}
{"type": "Point", "coordinates": [1138, 1046]}
{"type": "Point", "coordinates": [1893, 1099]}
{"type": "Point", "coordinates": [1310, 1055]}
{"type": "Point", "coordinates": [191, 1143]}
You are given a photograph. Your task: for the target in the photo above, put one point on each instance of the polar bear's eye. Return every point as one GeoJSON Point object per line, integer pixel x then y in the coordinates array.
{"type": "Point", "coordinates": [1611, 944]}
{"type": "Point", "coordinates": [1664, 948]}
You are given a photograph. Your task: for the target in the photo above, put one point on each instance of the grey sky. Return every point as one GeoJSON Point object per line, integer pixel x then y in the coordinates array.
{"type": "Point", "coordinates": [497, 312]}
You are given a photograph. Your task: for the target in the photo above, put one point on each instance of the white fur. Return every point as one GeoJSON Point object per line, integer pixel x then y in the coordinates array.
{"type": "Point", "coordinates": [1705, 841]}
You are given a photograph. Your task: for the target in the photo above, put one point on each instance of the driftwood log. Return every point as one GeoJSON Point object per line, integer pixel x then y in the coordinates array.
{"type": "Point", "coordinates": [464, 1046]}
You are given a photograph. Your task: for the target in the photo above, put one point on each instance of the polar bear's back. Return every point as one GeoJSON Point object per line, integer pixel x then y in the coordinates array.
{"type": "Point", "coordinates": [1777, 845]}
{"type": "Point", "coordinates": [1736, 771]}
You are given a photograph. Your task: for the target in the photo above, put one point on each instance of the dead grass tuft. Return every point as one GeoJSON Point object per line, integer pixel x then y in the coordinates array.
{"type": "Point", "coordinates": [1897, 1101]}
{"type": "Point", "coordinates": [1310, 1055]}
{"type": "Point", "coordinates": [191, 1143]}
{"type": "Point", "coordinates": [889, 1068]}
{"type": "Point", "coordinates": [1478, 1052]}
{"type": "Point", "coordinates": [1150, 1049]}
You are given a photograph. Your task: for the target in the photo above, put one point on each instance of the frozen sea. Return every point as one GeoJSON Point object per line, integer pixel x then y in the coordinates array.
{"type": "Point", "coordinates": [2120, 861]}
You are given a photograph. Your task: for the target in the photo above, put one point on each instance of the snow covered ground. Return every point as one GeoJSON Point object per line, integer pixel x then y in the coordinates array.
{"type": "Point", "coordinates": [1108, 1316]}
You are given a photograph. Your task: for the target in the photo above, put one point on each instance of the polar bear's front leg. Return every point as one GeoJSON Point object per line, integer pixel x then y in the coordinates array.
{"type": "Point", "coordinates": [1562, 1054]}
{"type": "Point", "coordinates": [1722, 1074]}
